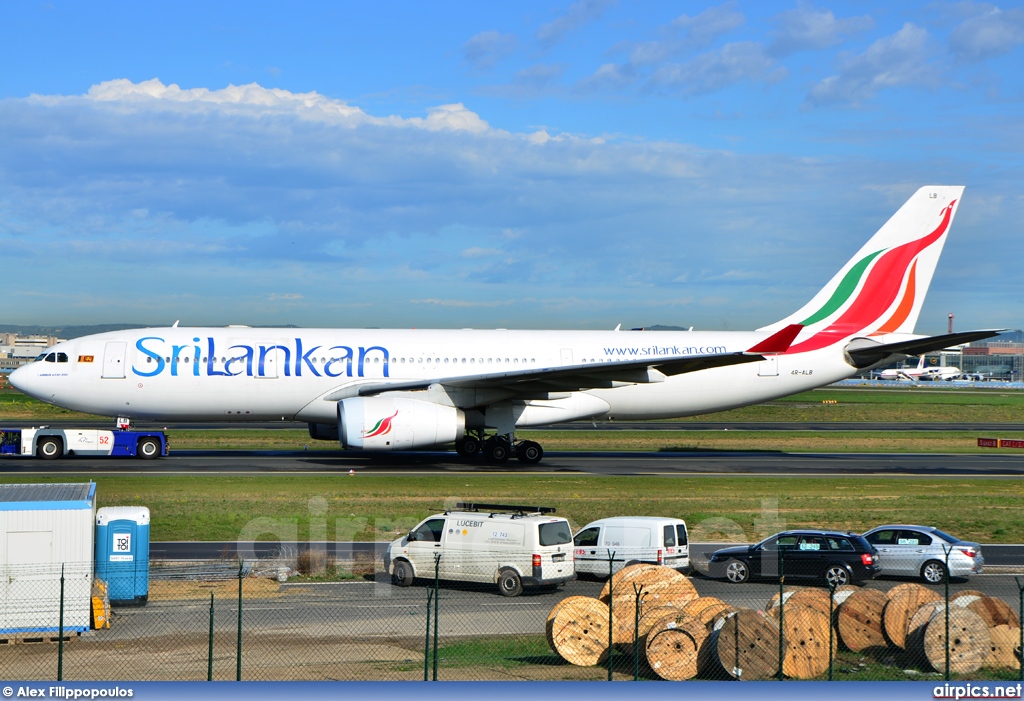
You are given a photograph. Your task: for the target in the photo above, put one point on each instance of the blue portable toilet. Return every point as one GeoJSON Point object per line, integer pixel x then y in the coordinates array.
{"type": "Point", "coordinates": [122, 553]}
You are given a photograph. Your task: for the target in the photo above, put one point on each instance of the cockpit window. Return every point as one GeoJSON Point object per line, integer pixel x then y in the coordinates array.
{"type": "Point", "coordinates": [62, 357]}
{"type": "Point", "coordinates": [39, 357]}
{"type": "Point", "coordinates": [51, 358]}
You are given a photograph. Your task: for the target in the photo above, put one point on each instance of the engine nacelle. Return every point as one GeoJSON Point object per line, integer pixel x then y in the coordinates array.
{"type": "Point", "coordinates": [386, 423]}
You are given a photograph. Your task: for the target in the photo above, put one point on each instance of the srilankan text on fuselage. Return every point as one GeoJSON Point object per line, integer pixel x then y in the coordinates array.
{"type": "Point", "coordinates": [251, 360]}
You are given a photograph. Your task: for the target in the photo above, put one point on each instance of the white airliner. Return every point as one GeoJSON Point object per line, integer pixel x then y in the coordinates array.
{"type": "Point", "coordinates": [386, 390]}
{"type": "Point", "coordinates": [921, 372]}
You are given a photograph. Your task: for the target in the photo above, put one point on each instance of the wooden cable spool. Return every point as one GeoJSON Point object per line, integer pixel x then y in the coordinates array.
{"type": "Point", "coordinates": [816, 599]}
{"type": "Point", "coordinates": [965, 592]}
{"type": "Point", "coordinates": [786, 593]}
{"type": "Point", "coordinates": [745, 645]}
{"type": "Point", "coordinates": [994, 611]}
{"type": "Point", "coordinates": [554, 612]}
{"type": "Point", "coordinates": [1004, 651]}
{"type": "Point", "coordinates": [624, 575]}
{"type": "Point", "coordinates": [860, 620]}
{"type": "Point", "coordinates": [708, 610]}
{"type": "Point", "coordinates": [657, 587]}
{"type": "Point", "coordinates": [805, 631]}
{"type": "Point", "coordinates": [672, 646]}
{"type": "Point", "coordinates": [901, 609]}
{"type": "Point", "coordinates": [906, 586]}
{"type": "Point", "coordinates": [969, 641]}
{"type": "Point", "coordinates": [916, 626]}
{"type": "Point", "coordinates": [579, 631]}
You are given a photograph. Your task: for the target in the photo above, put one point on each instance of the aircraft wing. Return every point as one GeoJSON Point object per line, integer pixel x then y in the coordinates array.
{"type": "Point", "coordinates": [867, 355]}
{"type": "Point", "coordinates": [573, 378]}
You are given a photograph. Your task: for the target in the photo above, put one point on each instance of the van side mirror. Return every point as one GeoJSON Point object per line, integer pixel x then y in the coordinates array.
{"type": "Point", "coordinates": [411, 537]}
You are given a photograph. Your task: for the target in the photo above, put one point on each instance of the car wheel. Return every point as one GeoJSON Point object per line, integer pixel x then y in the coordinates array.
{"type": "Point", "coordinates": [50, 448]}
{"type": "Point", "coordinates": [933, 572]}
{"type": "Point", "coordinates": [509, 583]}
{"type": "Point", "coordinates": [402, 575]}
{"type": "Point", "coordinates": [837, 576]}
{"type": "Point", "coordinates": [737, 571]}
{"type": "Point", "coordinates": [148, 448]}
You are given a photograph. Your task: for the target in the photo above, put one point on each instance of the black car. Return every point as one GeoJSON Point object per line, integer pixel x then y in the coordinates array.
{"type": "Point", "coordinates": [833, 557]}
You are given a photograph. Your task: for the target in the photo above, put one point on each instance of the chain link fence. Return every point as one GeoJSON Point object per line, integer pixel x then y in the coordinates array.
{"type": "Point", "coordinates": [225, 622]}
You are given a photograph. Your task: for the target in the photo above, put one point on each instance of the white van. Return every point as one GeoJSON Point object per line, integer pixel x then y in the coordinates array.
{"type": "Point", "coordinates": [630, 539]}
{"type": "Point", "coordinates": [511, 546]}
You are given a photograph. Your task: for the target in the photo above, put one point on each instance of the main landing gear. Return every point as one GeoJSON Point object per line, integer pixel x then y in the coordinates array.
{"type": "Point", "coordinates": [498, 449]}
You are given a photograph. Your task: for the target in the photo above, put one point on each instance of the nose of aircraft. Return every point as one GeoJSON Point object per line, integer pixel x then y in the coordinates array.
{"type": "Point", "coordinates": [25, 379]}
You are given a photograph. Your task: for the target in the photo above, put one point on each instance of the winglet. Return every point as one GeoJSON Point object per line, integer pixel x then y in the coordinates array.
{"type": "Point", "coordinates": [778, 342]}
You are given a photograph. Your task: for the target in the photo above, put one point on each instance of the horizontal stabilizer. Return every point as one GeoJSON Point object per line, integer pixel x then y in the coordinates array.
{"type": "Point", "coordinates": [780, 341]}
{"type": "Point", "coordinates": [866, 356]}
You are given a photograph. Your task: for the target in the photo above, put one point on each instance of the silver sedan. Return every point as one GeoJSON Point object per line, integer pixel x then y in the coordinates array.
{"type": "Point", "coordinates": [921, 551]}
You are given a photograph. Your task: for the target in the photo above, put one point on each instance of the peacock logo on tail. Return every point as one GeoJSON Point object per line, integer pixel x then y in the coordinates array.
{"type": "Point", "coordinates": [883, 273]}
{"type": "Point", "coordinates": [380, 428]}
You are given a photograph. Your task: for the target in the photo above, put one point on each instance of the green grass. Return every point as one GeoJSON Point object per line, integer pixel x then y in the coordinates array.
{"type": "Point", "coordinates": [381, 507]}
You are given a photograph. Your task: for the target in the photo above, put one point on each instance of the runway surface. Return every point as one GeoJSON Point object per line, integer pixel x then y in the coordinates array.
{"type": "Point", "coordinates": [767, 463]}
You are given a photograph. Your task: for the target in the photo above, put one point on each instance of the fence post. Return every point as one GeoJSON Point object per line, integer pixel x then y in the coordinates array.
{"type": "Point", "coordinates": [946, 551]}
{"type": "Point", "coordinates": [209, 657]}
{"type": "Point", "coordinates": [611, 601]}
{"type": "Point", "coordinates": [437, 595]}
{"type": "Point", "coordinates": [638, 593]}
{"type": "Point", "coordinates": [60, 630]}
{"type": "Point", "coordinates": [238, 651]}
{"type": "Point", "coordinates": [832, 586]}
{"type": "Point", "coordinates": [782, 609]}
{"type": "Point", "coordinates": [426, 639]}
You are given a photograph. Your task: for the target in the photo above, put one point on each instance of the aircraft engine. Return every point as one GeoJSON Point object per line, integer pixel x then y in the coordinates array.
{"type": "Point", "coordinates": [396, 423]}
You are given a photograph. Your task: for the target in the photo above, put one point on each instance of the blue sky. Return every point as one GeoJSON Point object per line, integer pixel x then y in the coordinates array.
{"type": "Point", "coordinates": [551, 165]}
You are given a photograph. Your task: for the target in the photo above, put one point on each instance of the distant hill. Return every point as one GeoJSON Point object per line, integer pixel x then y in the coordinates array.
{"type": "Point", "coordinates": [661, 327]}
{"type": "Point", "coordinates": [65, 331]}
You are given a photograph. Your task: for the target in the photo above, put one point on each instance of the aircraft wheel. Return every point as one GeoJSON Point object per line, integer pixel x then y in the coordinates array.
{"type": "Point", "coordinates": [497, 449]}
{"type": "Point", "coordinates": [529, 452]}
{"type": "Point", "coordinates": [468, 446]}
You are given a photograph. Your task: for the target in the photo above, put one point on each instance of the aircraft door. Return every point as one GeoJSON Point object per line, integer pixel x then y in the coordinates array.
{"type": "Point", "coordinates": [113, 360]}
{"type": "Point", "coordinates": [769, 367]}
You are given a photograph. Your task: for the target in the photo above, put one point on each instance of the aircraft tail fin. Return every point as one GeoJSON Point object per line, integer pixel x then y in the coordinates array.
{"type": "Point", "coordinates": [881, 289]}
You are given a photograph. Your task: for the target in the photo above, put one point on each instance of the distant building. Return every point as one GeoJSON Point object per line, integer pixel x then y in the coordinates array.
{"type": "Point", "coordinates": [16, 350]}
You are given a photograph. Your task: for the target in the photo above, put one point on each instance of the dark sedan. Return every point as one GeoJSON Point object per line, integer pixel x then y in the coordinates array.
{"type": "Point", "coordinates": [833, 557]}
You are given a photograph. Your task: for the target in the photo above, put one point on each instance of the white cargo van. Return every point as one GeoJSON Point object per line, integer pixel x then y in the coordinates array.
{"type": "Point", "coordinates": [511, 546]}
{"type": "Point", "coordinates": [630, 539]}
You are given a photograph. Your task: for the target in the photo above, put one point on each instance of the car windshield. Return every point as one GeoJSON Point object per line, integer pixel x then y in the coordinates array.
{"type": "Point", "coordinates": [556, 533]}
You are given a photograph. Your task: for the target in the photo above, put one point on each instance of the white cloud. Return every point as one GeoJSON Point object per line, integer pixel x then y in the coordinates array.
{"type": "Point", "coordinates": [715, 70]}
{"type": "Point", "coordinates": [903, 59]}
{"type": "Point", "coordinates": [579, 14]}
{"type": "Point", "coordinates": [487, 49]}
{"type": "Point", "coordinates": [806, 28]}
{"type": "Point", "coordinates": [990, 32]}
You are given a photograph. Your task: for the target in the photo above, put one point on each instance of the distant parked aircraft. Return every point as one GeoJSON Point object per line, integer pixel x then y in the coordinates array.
{"type": "Point", "coordinates": [921, 372]}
